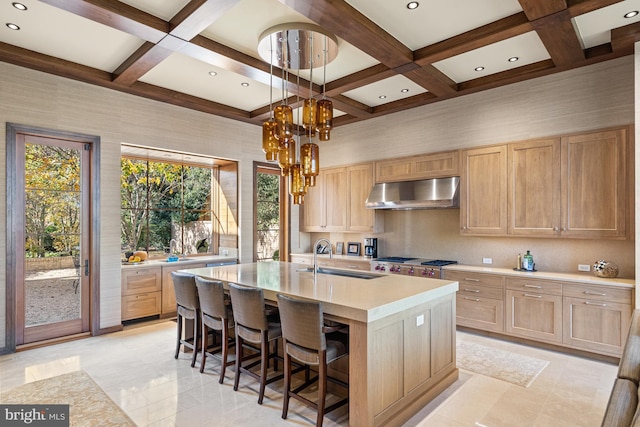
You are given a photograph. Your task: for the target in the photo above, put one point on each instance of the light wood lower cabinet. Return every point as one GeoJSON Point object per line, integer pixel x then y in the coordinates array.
{"type": "Point", "coordinates": [593, 318]}
{"type": "Point", "coordinates": [141, 292]}
{"type": "Point", "coordinates": [479, 300]}
{"type": "Point", "coordinates": [596, 318]}
{"type": "Point", "coordinates": [357, 263]}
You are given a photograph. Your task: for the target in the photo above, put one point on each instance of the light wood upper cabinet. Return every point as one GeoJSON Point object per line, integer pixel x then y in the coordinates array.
{"type": "Point", "coordinates": [534, 187]}
{"type": "Point", "coordinates": [418, 167]}
{"type": "Point", "coordinates": [594, 184]}
{"type": "Point", "coordinates": [325, 204]}
{"type": "Point", "coordinates": [359, 183]}
{"type": "Point", "coordinates": [483, 191]}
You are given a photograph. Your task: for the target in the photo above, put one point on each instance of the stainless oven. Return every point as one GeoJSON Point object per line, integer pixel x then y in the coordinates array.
{"type": "Point", "coordinates": [418, 267]}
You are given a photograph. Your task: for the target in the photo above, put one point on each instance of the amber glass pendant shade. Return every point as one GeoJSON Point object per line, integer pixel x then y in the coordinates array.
{"type": "Point", "coordinates": [296, 184]}
{"type": "Point", "coordinates": [325, 119]}
{"type": "Point", "coordinates": [310, 162]}
{"type": "Point", "coordinates": [283, 114]}
{"type": "Point", "coordinates": [287, 156]}
{"type": "Point", "coordinates": [309, 116]}
{"type": "Point", "coordinates": [270, 144]}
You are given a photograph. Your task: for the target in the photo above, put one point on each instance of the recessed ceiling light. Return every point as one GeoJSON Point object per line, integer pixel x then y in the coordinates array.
{"type": "Point", "coordinates": [213, 73]}
{"type": "Point", "coordinates": [412, 5]}
{"type": "Point", "coordinates": [404, 90]}
{"type": "Point", "coordinates": [479, 68]}
{"type": "Point", "coordinates": [382, 96]}
{"type": "Point", "coordinates": [513, 59]}
{"type": "Point", "coordinates": [631, 14]}
{"type": "Point", "coordinates": [244, 84]}
{"type": "Point", "coordinates": [19, 6]}
{"type": "Point", "coordinates": [13, 26]}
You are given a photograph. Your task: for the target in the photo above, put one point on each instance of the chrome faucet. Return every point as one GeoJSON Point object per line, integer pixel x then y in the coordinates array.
{"type": "Point", "coordinates": [315, 254]}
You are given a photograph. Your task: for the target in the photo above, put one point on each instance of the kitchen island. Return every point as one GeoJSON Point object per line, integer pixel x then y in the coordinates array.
{"type": "Point", "coordinates": [401, 332]}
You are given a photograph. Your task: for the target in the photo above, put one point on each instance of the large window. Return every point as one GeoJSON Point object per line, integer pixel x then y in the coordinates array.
{"type": "Point", "coordinates": [167, 206]}
{"type": "Point", "coordinates": [271, 235]}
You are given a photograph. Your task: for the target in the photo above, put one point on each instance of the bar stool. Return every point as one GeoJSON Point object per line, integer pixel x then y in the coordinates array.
{"type": "Point", "coordinates": [217, 315]}
{"type": "Point", "coordinates": [258, 329]}
{"type": "Point", "coordinates": [309, 341]}
{"type": "Point", "coordinates": [188, 307]}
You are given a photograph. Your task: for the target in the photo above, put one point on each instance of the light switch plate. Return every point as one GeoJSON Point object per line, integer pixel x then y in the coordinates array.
{"type": "Point", "coordinates": [420, 320]}
{"type": "Point", "coordinates": [584, 267]}
{"type": "Point", "coordinates": [487, 261]}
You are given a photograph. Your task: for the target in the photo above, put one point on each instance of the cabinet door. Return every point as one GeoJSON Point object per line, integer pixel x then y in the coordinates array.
{"type": "Point", "coordinates": [534, 187]}
{"type": "Point", "coordinates": [534, 315]}
{"type": "Point", "coordinates": [594, 184]}
{"type": "Point", "coordinates": [335, 197]}
{"type": "Point", "coordinates": [168, 292]}
{"type": "Point", "coordinates": [359, 183]}
{"type": "Point", "coordinates": [596, 325]}
{"type": "Point", "coordinates": [480, 313]}
{"type": "Point", "coordinates": [483, 196]}
{"type": "Point", "coordinates": [313, 216]}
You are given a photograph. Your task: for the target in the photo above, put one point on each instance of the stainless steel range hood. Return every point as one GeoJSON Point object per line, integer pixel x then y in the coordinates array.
{"type": "Point", "coordinates": [425, 194]}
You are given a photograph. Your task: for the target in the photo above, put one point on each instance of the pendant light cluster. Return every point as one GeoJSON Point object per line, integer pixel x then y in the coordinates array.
{"type": "Point", "coordinates": [297, 46]}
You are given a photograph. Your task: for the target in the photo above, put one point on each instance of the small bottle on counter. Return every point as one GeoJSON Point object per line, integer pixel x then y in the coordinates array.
{"type": "Point", "coordinates": [527, 261]}
{"type": "Point", "coordinates": [519, 262]}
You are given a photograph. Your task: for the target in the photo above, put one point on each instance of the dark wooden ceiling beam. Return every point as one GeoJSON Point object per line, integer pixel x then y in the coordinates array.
{"type": "Point", "coordinates": [358, 79]}
{"type": "Point", "coordinates": [625, 37]}
{"type": "Point", "coordinates": [146, 58]}
{"type": "Point", "coordinates": [117, 15]}
{"type": "Point", "coordinates": [503, 29]}
{"type": "Point", "coordinates": [559, 38]}
{"type": "Point", "coordinates": [578, 7]}
{"type": "Point", "coordinates": [536, 9]}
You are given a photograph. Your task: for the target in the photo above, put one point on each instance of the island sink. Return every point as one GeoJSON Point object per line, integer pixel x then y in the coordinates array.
{"type": "Point", "coordinates": [344, 273]}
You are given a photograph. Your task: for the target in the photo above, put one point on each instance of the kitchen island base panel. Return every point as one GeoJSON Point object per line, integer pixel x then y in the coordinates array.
{"type": "Point", "coordinates": [400, 363]}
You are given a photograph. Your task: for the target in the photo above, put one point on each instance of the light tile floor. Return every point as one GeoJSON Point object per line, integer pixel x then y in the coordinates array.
{"type": "Point", "coordinates": [137, 370]}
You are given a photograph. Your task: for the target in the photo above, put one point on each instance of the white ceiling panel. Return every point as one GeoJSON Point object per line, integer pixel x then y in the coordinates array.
{"type": "Point", "coordinates": [185, 74]}
{"type": "Point", "coordinates": [595, 27]}
{"type": "Point", "coordinates": [494, 58]}
{"type": "Point", "coordinates": [433, 20]}
{"type": "Point", "coordinates": [384, 91]}
{"type": "Point", "coordinates": [72, 38]}
{"type": "Point", "coordinates": [164, 9]}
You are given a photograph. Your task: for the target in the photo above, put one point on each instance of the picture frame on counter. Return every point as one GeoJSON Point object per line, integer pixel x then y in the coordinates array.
{"type": "Point", "coordinates": [353, 248]}
{"type": "Point", "coordinates": [339, 246]}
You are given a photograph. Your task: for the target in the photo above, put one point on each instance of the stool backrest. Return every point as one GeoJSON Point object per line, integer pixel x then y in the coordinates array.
{"type": "Point", "coordinates": [302, 322]}
{"type": "Point", "coordinates": [184, 285]}
{"type": "Point", "coordinates": [211, 294]}
{"type": "Point", "coordinates": [248, 307]}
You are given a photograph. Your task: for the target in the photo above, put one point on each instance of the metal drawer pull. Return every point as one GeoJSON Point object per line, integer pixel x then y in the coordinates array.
{"type": "Point", "coordinates": [472, 299]}
{"type": "Point", "coordinates": [533, 296]}
{"type": "Point", "coordinates": [472, 290]}
{"type": "Point", "coordinates": [471, 280]}
{"type": "Point", "coordinates": [532, 286]}
{"type": "Point", "coordinates": [355, 267]}
{"type": "Point", "coordinates": [602, 294]}
{"type": "Point", "coordinates": [595, 303]}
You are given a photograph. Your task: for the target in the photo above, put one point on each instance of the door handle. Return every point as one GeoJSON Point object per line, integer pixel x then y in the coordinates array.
{"type": "Point", "coordinates": [86, 267]}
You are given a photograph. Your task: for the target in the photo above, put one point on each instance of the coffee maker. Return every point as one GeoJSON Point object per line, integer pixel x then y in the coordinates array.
{"type": "Point", "coordinates": [370, 247]}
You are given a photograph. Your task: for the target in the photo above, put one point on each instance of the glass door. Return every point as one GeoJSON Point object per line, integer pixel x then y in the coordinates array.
{"type": "Point", "coordinates": [52, 289]}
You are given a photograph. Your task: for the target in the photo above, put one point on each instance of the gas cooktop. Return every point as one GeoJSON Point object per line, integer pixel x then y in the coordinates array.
{"type": "Point", "coordinates": [417, 261]}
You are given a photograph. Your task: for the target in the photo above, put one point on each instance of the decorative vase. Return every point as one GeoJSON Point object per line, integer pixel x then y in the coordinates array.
{"type": "Point", "coordinates": [602, 268]}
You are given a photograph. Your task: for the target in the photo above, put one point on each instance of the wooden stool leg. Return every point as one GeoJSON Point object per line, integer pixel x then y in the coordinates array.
{"type": "Point", "coordinates": [225, 348]}
{"type": "Point", "coordinates": [196, 333]}
{"type": "Point", "coordinates": [236, 381]}
{"type": "Point", "coordinates": [205, 332]}
{"type": "Point", "coordinates": [287, 385]}
{"type": "Point", "coordinates": [179, 319]}
{"type": "Point", "coordinates": [322, 391]}
{"type": "Point", "coordinates": [264, 364]}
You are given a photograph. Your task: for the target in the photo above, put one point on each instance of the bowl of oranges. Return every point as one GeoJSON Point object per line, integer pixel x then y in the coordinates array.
{"type": "Point", "coordinates": [137, 257]}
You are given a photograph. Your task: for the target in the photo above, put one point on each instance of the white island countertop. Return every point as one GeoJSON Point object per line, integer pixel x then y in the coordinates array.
{"type": "Point", "coordinates": [364, 300]}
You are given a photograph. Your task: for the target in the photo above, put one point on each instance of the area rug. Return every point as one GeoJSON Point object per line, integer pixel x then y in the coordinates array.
{"type": "Point", "coordinates": [501, 364]}
{"type": "Point", "coordinates": [88, 404]}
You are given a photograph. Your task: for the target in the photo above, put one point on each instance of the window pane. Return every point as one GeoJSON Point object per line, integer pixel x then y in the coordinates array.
{"type": "Point", "coordinates": [197, 188]}
{"type": "Point", "coordinates": [165, 185]}
{"type": "Point", "coordinates": [164, 225]}
{"type": "Point", "coordinates": [268, 216]}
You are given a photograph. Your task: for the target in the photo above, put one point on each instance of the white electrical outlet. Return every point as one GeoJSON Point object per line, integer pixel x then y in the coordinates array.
{"type": "Point", "coordinates": [487, 261]}
{"type": "Point", "coordinates": [584, 267]}
{"type": "Point", "coordinates": [420, 320]}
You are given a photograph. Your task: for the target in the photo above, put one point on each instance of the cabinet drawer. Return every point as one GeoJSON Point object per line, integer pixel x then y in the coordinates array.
{"type": "Point", "coordinates": [478, 279]}
{"type": "Point", "coordinates": [533, 285]}
{"type": "Point", "coordinates": [475, 291]}
{"type": "Point", "coordinates": [353, 265]}
{"type": "Point", "coordinates": [598, 293]}
{"type": "Point", "coordinates": [141, 305]}
{"type": "Point", "coordinates": [480, 313]}
{"type": "Point", "coordinates": [301, 259]}
{"type": "Point", "coordinates": [140, 281]}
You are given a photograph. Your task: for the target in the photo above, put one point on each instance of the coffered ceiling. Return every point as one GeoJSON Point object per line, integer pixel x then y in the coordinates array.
{"type": "Point", "coordinates": [202, 54]}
